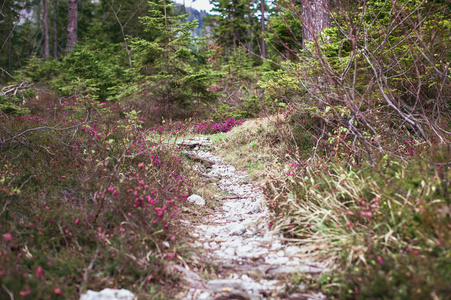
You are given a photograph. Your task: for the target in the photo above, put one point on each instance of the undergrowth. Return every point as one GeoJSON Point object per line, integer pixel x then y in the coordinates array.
{"type": "Point", "coordinates": [88, 195]}
{"type": "Point", "coordinates": [383, 230]}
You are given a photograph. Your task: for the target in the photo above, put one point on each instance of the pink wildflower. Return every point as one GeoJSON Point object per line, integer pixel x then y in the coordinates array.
{"type": "Point", "coordinates": [7, 237]}
{"type": "Point", "coordinates": [25, 292]}
{"type": "Point", "coordinates": [39, 272]}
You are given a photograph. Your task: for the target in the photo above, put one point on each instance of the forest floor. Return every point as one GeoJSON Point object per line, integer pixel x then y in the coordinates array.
{"type": "Point", "coordinates": [115, 203]}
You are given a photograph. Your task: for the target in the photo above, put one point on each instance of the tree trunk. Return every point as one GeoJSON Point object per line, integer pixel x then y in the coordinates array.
{"type": "Point", "coordinates": [262, 8]}
{"type": "Point", "coordinates": [10, 55]}
{"type": "Point", "coordinates": [39, 27]}
{"type": "Point", "coordinates": [55, 30]}
{"type": "Point", "coordinates": [249, 30]}
{"type": "Point", "coordinates": [46, 30]}
{"type": "Point", "coordinates": [315, 17]}
{"type": "Point", "coordinates": [72, 24]}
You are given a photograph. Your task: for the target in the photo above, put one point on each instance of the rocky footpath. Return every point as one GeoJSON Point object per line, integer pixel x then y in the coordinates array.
{"type": "Point", "coordinates": [250, 260]}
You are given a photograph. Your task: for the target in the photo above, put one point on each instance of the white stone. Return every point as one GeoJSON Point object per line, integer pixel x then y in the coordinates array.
{"type": "Point", "coordinates": [109, 294]}
{"type": "Point", "coordinates": [229, 251]}
{"type": "Point", "coordinates": [234, 243]}
{"type": "Point", "coordinates": [236, 229]}
{"type": "Point", "coordinates": [203, 296]}
{"type": "Point", "coordinates": [196, 199]}
{"type": "Point", "coordinates": [244, 250]}
{"type": "Point", "coordinates": [276, 246]}
{"type": "Point", "coordinates": [255, 209]}
{"type": "Point", "coordinates": [292, 250]}
{"type": "Point", "coordinates": [277, 260]}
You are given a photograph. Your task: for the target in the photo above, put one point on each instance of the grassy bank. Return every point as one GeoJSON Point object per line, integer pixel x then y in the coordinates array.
{"type": "Point", "coordinates": [383, 229]}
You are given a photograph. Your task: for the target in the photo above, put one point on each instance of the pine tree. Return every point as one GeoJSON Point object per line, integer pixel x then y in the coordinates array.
{"type": "Point", "coordinates": [166, 59]}
{"type": "Point", "coordinates": [229, 25]}
{"type": "Point", "coordinates": [9, 14]}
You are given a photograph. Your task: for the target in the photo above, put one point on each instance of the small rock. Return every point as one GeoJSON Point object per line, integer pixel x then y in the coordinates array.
{"type": "Point", "coordinates": [203, 296]}
{"type": "Point", "coordinates": [292, 250]}
{"type": "Point", "coordinates": [276, 245]}
{"type": "Point", "coordinates": [282, 271]}
{"type": "Point", "coordinates": [312, 296]}
{"type": "Point", "coordinates": [244, 250]}
{"type": "Point", "coordinates": [196, 199]}
{"type": "Point", "coordinates": [219, 284]}
{"type": "Point", "coordinates": [297, 296]}
{"type": "Point", "coordinates": [190, 278]}
{"type": "Point", "coordinates": [232, 294]}
{"type": "Point", "coordinates": [255, 209]}
{"type": "Point", "coordinates": [259, 252]}
{"type": "Point", "coordinates": [109, 294]}
{"type": "Point", "coordinates": [229, 251]}
{"type": "Point", "coordinates": [236, 229]}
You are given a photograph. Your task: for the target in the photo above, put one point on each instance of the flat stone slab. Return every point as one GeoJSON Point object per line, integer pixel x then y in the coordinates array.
{"type": "Point", "coordinates": [193, 142]}
{"type": "Point", "coordinates": [109, 294]}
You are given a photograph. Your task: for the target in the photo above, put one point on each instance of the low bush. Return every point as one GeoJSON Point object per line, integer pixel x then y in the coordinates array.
{"type": "Point", "coordinates": [85, 201]}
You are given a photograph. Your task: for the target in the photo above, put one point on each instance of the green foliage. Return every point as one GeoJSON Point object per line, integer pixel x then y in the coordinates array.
{"type": "Point", "coordinates": [370, 69]}
{"type": "Point", "coordinates": [168, 62]}
{"type": "Point", "coordinates": [96, 70]}
{"type": "Point", "coordinates": [285, 32]}
{"type": "Point", "coordinates": [9, 12]}
{"type": "Point", "coordinates": [362, 184]}
{"type": "Point", "coordinates": [128, 12]}
{"type": "Point", "coordinates": [231, 29]}
{"type": "Point", "coordinates": [11, 105]}
{"type": "Point", "coordinates": [281, 85]}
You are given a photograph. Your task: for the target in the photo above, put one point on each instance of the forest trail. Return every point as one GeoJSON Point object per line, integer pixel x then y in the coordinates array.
{"type": "Point", "coordinates": [250, 260]}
